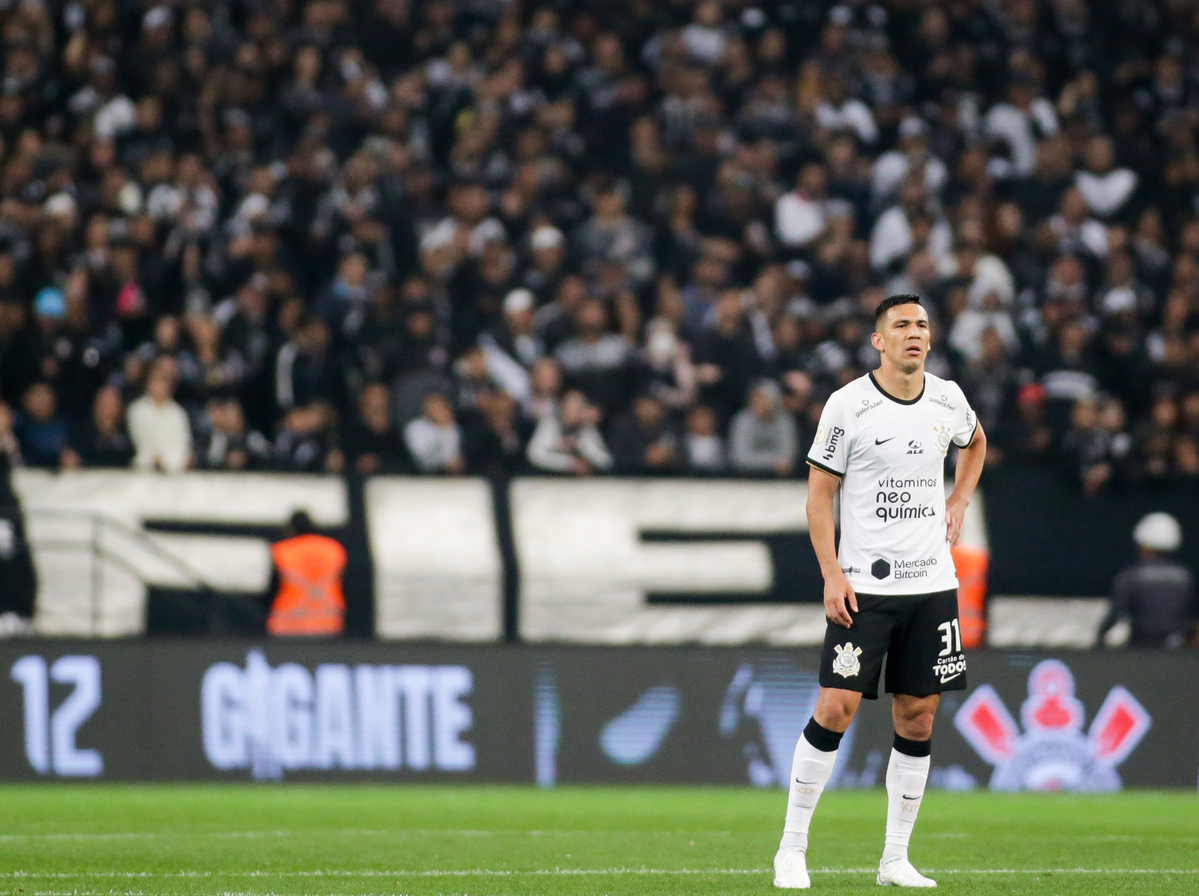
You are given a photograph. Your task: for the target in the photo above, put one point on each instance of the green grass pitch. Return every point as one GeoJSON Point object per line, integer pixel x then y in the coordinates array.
{"type": "Point", "coordinates": [298, 839]}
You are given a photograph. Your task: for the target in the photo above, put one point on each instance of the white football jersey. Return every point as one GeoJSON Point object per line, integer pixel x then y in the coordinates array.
{"type": "Point", "coordinates": [890, 455]}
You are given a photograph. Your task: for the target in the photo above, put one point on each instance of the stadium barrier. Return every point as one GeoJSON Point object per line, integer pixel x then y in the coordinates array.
{"type": "Point", "coordinates": [243, 710]}
{"type": "Point", "coordinates": [600, 561]}
{"type": "Point", "coordinates": [616, 561]}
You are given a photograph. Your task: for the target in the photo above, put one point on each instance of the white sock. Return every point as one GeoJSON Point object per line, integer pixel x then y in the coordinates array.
{"type": "Point", "coordinates": [906, 776]}
{"type": "Point", "coordinates": [810, 771]}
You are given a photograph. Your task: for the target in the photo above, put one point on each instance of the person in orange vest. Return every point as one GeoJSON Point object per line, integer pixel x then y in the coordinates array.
{"type": "Point", "coordinates": [306, 583]}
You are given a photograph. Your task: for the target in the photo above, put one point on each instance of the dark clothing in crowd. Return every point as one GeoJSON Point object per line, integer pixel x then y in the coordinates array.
{"type": "Point", "coordinates": [1158, 598]}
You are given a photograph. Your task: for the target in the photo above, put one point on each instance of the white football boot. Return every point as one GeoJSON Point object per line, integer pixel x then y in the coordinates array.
{"type": "Point", "coordinates": [900, 873]}
{"type": "Point", "coordinates": [791, 870]}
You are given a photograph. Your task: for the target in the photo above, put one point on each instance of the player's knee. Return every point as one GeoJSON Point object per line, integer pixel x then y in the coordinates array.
{"type": "Point", "coordinates": [919, 727]}
{"type": "Point", "coordinates": [915, 723]}
{"type": "Point", "coordinates": [836, 714]}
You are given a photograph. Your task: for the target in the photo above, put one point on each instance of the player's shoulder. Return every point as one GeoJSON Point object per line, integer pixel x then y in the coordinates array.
{"type": "Point", "coordinates": [853, 391]}
{"type": "Point", "coordinates": [934, 385]}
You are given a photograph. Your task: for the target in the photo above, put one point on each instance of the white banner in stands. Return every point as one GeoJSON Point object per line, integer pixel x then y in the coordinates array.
{"type": "Point", "coordinates": [437, 562]}
{"type": "Point", "coordinates": [585, 572]}
{"type": "Point", "coordinates": [94, 556]}
{"type": "Point", "coordinates": [585, 563]}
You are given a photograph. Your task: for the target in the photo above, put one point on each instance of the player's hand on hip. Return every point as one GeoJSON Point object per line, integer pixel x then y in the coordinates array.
{"type": "Point", "coordinates": [955, 512]}
{"type": "Point", "coordinates": [839, 599]}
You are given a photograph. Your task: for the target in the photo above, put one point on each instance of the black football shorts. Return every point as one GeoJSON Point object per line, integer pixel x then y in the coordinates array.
{"type": "Point", "coordinates": [919, 634]}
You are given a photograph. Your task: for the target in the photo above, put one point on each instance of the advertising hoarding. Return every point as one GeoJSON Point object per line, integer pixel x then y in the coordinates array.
{"type": "Point", "coordinates": [360, 711]}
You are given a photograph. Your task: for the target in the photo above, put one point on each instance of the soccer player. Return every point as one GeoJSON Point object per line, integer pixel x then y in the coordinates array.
{"type": "Point", "coordinates": [891, 590]}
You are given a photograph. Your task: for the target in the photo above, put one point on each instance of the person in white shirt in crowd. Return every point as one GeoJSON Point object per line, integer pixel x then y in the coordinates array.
{"type": "Point", "coordinates": [988, 313]}
{"type": "Point", "coordinates": [837, 111]}
{"type": "Point", "coordinates": [569, 441]}
{"type": "Point", "coordinates": [1075, 230]}
{"type": "Point", "coordinates": [763, 437]}
{"type": "Point", "coordinates": [799, 216]}
{"type": "Point", "coordinates": [911, 157]}
{"type": "Point", "coordinates": [434, 438]}
{"type": "Point", "coordinates": [703, 444]}
{"type": "Point", "coordinates": [894, 233]}
{"type": "Point", "coordinates": [1106, 188]}
{"type": "Point", "coordinates": [158, 425]}
{"type": "Point", "coordinates": [545, 390]}
{"type": "Point", "coordinates": [547, 263]}
{"type": "Point", "coordinates": [512, 348]}
{"type": "Point", "coordinates": [704, 38]}
{"type": "Point", "coordinates": [987, 272]}
{"type": "Point", "coordinates": [1018, 124]}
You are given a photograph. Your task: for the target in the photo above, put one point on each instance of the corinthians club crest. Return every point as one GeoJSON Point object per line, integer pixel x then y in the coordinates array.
{"type": "Point", "coordinates": [1053, 753]}
{"type": "Point", "coordinates": [846, 664]}
{"type": "Point", "coordinates": [944, 434]}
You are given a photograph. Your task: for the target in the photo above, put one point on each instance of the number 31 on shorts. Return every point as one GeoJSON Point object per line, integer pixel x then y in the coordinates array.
{"type": "Point", "coordinates": [951, 635]}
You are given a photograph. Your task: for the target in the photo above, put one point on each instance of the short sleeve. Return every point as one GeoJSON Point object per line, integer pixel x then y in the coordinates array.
{"type": "Point", "coordinates": [965, 421]}
{"type": "Point", "coordinates": [830, 447]}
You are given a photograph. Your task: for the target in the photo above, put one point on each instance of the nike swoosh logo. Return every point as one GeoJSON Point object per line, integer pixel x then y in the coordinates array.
{"type": "Point", "coordinates": [910, 798]}
{"type": "Point", "coordinates": [805, 783]}
{"type": "Point", "coordinates": [945, 678]}
{"type": "Point", "coordinates": [883, 441]}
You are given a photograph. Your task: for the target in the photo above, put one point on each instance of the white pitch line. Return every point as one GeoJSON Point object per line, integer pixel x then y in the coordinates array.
{"type": "Point", "coordinates": [554, 872]}
{"type": "Point", "coordinates": [344, 832]}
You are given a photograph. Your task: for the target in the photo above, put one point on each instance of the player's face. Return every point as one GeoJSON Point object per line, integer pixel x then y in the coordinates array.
{"type": "Point", "coordinates": [903, 337]}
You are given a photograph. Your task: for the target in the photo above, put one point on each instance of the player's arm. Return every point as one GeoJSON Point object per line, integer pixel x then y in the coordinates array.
{"type": "Point", "coordinates": [822, 488]}
{"type": "Point", "coordinates": [965, 480]}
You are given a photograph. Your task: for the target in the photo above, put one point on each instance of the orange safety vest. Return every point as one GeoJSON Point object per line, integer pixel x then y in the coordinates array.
{"type": "Point", "coordinates": [310, 600]}
{"type": "Point", "coordinates": [971, 564]}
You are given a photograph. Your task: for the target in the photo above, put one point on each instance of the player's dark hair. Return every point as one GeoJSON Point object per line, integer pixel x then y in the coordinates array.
{"type": "Point", "coordinates": [890, 302]}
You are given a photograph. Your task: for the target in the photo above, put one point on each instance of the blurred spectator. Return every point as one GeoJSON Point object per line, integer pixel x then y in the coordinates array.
{"type": "Point", "coordinates": [1105, 188]}
{"type": "Point", "coordinates": [1157, 593]}
{"type": "Point", "coordinates": [307, 441]}
{"type": "Point", "coordinates": [513, 341]}
{"type": "Point", "coordinates": [1019, 122]}
{"type": "Point", "coordinates": [227, 443]}
{"type": "Point", "coordinates": [763, 437]}
{"type": "Point", "coordinates": [495, 444]}
{"type": "Point", "coordinates": [545, 390]}
{"type": "Point", "coordinates": [611, 235]}
{"type": "Point", "coordinates": [547, 263]}
{"type": "Point", "coordinates": [334, 194]}
{"type": "Point", "coordinates": [705, 448]}
{"type": "Point", "coordinates": [727, 357]}
{"type": "Point", "coordinates": [1096, 450]}
{"type": "Point", "coordinates": [596, 362]}
{"type": "Point", "coordinates": [205, 368]}
{"type": "Point", "coordinates": [568, 441]}
{"type": "Point", "coordinates": [799, 215]}
{"type": "Point", "coordinates": [1028, 439]}
{"type": "Point", "coordinates": [1153, 439]}
{"type": "Point", "coordinates": [41, 430]}
{"type": "Point", "coordinates": [102, 441]}
{"type": "Point", "coordinates": [908, 224]}
{"type": "Point", "coordinates": [304, 369]}
{"type": "Point", "coordinates": [434, 438]}
{"type": "Point", "coordinates": [912, 156]}
{"type": "Point", "coordinates": [641, 441]}
{"type": "Point", "coordinates": [1186, 457]}
{"type": "Point", "coordinates": [373, 443]}
{"type": "Point", "coordinates": [158, 426]}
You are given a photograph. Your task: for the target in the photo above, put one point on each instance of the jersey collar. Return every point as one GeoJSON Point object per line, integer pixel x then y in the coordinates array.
{"type": "Point", "coordinates": [887, 394]}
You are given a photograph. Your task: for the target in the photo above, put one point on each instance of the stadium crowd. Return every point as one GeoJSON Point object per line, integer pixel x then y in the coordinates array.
{"type": "Point", "coordinates": [644, 236]}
